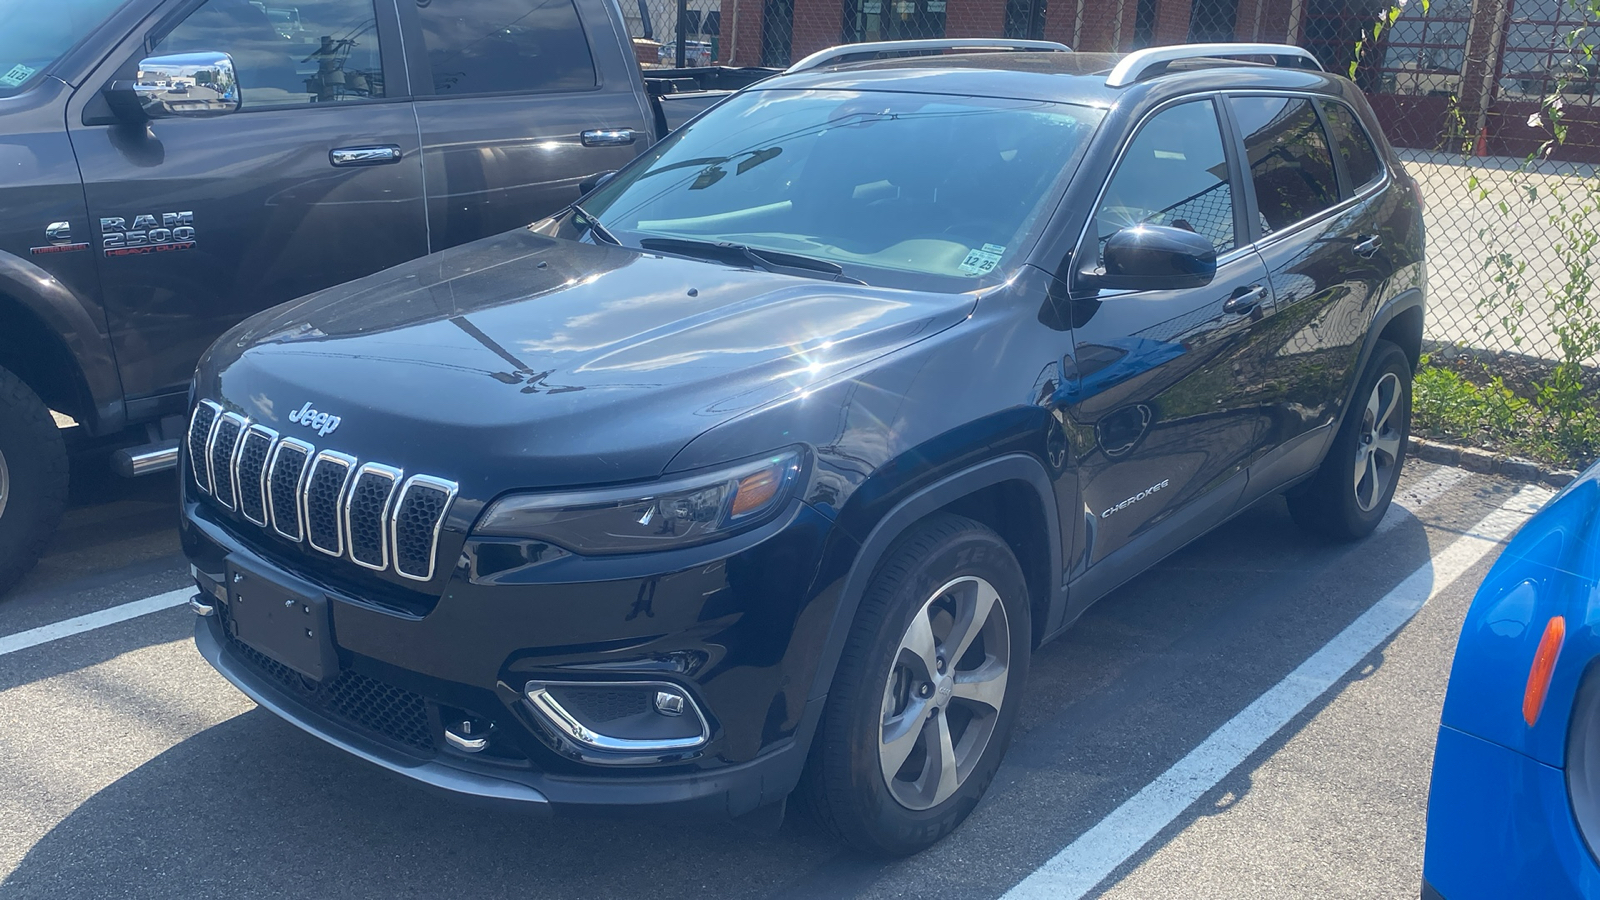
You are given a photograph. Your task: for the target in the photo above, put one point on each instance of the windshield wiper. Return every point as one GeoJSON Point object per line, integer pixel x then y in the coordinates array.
{"type": "Point", "coordinates": [761, 258]}
{"type": "Point", "coordinates": [590, 222]}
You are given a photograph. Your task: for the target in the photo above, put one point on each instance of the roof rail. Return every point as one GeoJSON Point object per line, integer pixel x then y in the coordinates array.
{"type": "Point", "coordinates": [1135, 65]}
{"type": "Point", "coordinates": [836, 54]}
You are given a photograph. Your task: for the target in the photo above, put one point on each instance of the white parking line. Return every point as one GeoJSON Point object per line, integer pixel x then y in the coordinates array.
{"type": "Point", "coordinates": [55, 631]}
{"type": "Point", "coordinates": [1097, 853]}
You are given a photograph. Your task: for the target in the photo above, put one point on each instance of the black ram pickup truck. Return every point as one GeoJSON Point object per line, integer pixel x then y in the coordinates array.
{"type": "Point", "coordinates": [169, 167]}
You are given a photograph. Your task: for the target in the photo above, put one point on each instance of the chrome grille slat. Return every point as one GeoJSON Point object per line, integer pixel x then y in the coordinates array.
{"type": "Point", "coordinates": [201, 424]}
{"type": "Point", "coordinates": [286, 472]}
{"type": "Point", "coordinates": [370, 513]}
{"type": "Point", "coordinates": [322, 496]}
{"type": "Point", "coordinates": [250, 472]}
{"type": "Point", "coordinates": [371, 493]}
{"type": "Point", "coordinates": [219, 456]}
{"type": "Point", "coordinates": [415, 523]}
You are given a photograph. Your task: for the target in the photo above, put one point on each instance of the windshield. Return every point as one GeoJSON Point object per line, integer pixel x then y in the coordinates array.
{"type": "Point", "coordinates": [881, 184]}
{"type": "Point", "coordinates": [33, 35]}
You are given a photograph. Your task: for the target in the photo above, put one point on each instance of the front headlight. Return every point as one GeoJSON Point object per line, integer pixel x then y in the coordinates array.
{"type": "Point", "coordinates": [640, 518]}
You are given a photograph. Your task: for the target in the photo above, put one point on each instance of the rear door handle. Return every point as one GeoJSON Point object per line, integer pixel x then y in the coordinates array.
{"type": "Point", "coordinates": [365, 156]}
{"type": "Point", "coordinates": [607, 137]}
{"type": "Point", "coordinates": [1245, 299]}
{"type": "Point", "coordinates": [1369, 246]}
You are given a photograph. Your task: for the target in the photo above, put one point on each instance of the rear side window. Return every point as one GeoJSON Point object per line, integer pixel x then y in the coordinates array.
{"type": "Point", "coordinates": [1174, 173]}
{"type": "Point", "coordinates": [1360, 158]}
{"type": "Point", "coordinates": [504, 46]}
{"type": "Point", "coordinates": [1290, 162]}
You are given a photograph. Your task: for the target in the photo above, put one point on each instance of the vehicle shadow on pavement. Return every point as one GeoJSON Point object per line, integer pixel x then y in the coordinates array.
{"type": "Point", "coordinates": [252, 807]}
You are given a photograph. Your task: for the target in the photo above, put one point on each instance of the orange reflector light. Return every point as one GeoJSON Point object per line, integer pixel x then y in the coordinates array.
{"type": "Point", "coordinates": [755, 490]}
{"type": "Point", "coordinates": [1544, 666]}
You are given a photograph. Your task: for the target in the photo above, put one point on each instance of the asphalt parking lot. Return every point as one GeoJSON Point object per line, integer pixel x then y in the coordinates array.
{"type": "Point", "coordinates": [1150, 761]}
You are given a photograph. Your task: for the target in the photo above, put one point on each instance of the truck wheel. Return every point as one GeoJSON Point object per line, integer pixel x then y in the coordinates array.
{"type": "Point", "coordinates": [922, 706]}
{"type": "Point", "coordinates": [1351, 491]}
{"type": "Point", "coordinates": [33, 478]}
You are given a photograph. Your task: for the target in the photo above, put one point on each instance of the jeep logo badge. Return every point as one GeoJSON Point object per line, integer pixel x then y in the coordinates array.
{"type": "Point", "coordinates": [320, 422]}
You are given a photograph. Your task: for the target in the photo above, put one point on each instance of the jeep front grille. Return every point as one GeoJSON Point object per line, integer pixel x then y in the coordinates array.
{"type": "Point", "coordinates": [370, 513]}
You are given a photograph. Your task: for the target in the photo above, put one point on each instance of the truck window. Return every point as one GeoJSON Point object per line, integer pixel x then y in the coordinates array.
{"type": "Point", "coordinates": [288, 52]}
{"type": "Point", "coordinates": [500, 46]}
{"type": "Point", "coordinates": [34, 35]}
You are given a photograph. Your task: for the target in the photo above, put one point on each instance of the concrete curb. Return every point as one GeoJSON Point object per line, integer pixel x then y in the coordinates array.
{"type": "Point", "coordinates": [1476, 460]}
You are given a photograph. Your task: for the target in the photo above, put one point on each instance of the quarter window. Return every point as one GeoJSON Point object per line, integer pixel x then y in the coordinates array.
{"type": "Point", "coordinates": [288, 52]}
{"type": "Point", "coordinates": [1360, 159]}
{"type": "Point", "coordinates": [499, 46]}
{"type": "Point", "coordinates": [1174, 173]}
{"type": "Point", "coordinates": [1290, 163]}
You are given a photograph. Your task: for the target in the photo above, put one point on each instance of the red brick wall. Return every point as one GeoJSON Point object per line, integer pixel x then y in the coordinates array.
{"type": "Point", "coordinates": [741, 33]}
{"type": "Point", "coordinates": [975, 18]}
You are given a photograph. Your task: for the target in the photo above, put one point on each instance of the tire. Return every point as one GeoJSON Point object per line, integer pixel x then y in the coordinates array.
{"type": "Point", "coordinates": [33, 478]}
{"type": "Point", "coordinates": [1352, 489]}
{"type": "Point", "coordinates": [934, 579]}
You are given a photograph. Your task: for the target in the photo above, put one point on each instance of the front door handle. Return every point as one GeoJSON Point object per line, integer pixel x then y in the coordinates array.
{"type": "Point", "coordinates": [365, 156]}
{"type": "Point", "coordinates": [1245, 299]}
{"type": "Point", "coordinates": [1369, 246]}
{"type": "Point", "coordinates": [607, 137]}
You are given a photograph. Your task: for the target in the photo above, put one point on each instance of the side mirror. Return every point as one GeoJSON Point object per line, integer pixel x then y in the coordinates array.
{"type": "Point", "coordinates": [591, 184]}
{"type": "Point", "coordinates": [178, 84]}
{"type": "Point", "coordinates": [1155, 258]}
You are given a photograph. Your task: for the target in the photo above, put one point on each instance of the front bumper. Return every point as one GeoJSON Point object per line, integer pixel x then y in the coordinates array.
{"type": "Point", "coordinates": [1499, 826]}
{"type": "Point", "coordinates": [739, 633]}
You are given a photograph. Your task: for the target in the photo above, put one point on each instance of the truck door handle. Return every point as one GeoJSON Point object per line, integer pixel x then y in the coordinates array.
{"type": "Point", "coordinates": [1369, 247]}
{"type": "Point", "coordinates": [365, 156]}
{"type": "Point", "coordinates": [1244, 299]}
{"type": "Point", "coordinates": [607, 137]}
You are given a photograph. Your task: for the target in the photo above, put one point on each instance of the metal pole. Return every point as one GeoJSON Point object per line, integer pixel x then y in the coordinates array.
{"type": "Point", "coordinates": [683, 36]}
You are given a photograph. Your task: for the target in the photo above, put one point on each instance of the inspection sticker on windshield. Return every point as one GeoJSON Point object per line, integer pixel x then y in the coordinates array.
{"type": "Point", "coordinates": [979, 262]}
{"type": "Point", "coordinates": [18, 74]}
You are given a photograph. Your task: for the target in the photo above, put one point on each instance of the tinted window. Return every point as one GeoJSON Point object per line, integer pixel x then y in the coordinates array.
{"type": "Point", "coordinates": [1174, 173]}
{"type": "Point", "coordinates": [1289, 159]}
{"type": "Point", "coordinates": [494, 46]}
{"type": "Point", "coordinates": [878, 182]}
{"type": "Point", "coordinates": [288, 51]}
{"type": "Point", "coordinates": [33, 35]}
{"type": "Point", "coordinates": [1360, 159]}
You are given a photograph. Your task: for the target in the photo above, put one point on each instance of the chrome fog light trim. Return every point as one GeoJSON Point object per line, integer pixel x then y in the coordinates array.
{"type": "Point", "coordinates": [557, 716]}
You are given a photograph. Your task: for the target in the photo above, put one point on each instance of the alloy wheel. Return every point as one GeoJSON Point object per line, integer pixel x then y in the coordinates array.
{"type": "Point", "coordinates": [944, 692]}
{"type": "Point", "coordinates": [1378, 447]}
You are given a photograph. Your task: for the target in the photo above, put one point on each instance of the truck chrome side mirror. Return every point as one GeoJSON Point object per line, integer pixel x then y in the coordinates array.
{"type": "Point", "coordinates": [177, 84]}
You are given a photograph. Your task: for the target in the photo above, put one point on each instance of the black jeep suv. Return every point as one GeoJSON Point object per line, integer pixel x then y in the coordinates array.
{"type": "Point", "coordinates": [769, 462]}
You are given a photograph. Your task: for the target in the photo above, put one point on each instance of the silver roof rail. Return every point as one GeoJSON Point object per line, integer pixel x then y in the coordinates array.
{"type": "Point", "coordinates": [1134, 66]}
{"type": "Point", "coordinates": [835, 54]}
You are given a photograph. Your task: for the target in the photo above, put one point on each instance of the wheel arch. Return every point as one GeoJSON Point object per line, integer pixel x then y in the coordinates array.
{"type": "Point", "coordinates": [50, 341]}
{"type": "Point", "coordinates": [1400, 321]}
{"type": "Point", "coordinates": [986, 492]}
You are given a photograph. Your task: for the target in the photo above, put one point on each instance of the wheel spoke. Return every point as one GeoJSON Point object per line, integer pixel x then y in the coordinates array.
{"type": "Point", "coordinates": [985, 684]}
{"type": "Point", "coordinates": [945, 760]}
{"type": "Point", "coordinates": [1386, 393]}
{"type": "Point", "coordinates": [918, 641]}
{"type": "Point", "coordinates": [1374, 408]}
{"type": "Point", "coordinates": [899, 737]}
{"type": "Point", "coordinates": [1389, 446]}
{"type": "Point", "coordinates": [975, 615]}
{"type": "Point", "coordinates": [1362, 456]}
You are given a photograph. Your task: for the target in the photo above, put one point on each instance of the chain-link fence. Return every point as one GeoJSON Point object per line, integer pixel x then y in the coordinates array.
{"type": "Point", "coordinates": [1463, 89]}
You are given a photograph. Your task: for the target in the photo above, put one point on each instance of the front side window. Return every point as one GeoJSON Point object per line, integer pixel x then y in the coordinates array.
{"type": "Point", "coordinates": [1173, 173]}
{"type": "Point", "coordinates": [288, 52]}
{"type": "Point", "coordinates": [1290, 163]}
{"type": "Point", "coordinates": [878, 183]}
{"type": "Point", "coordinates": [33, 35]}
{"type": "Point", "coordinates": [502, 46]}
{"type": "Point", "coordinates": [1360, 158]}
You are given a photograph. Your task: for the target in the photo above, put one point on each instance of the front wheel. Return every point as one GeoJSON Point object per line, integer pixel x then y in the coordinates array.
{"type": "Point", "coordinates": [33, 478]}
{"type": "Point", "coordinates": [1348, 496]}
{"type": "Point", "coordinates": [922, 706]}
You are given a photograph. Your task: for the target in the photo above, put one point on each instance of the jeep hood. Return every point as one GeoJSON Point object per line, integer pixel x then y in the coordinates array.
{"type": "Point", "coordinates": [533, 362]}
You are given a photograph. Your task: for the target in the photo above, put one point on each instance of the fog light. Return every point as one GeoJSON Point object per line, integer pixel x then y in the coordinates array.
{"type": "Point", "coordinates": [669, 704]}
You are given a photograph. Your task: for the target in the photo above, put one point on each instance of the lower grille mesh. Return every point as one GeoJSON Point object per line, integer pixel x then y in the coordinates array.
{"type": "Point", "coordinates": [367, 704]}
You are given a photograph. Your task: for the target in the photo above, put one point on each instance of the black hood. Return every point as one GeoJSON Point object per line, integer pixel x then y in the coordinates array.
{"type": "Point", "coordinates": [528, 361]}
